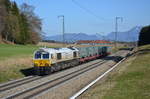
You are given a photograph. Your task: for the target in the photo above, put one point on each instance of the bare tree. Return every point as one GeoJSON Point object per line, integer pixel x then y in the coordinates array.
{"type": "Point", "coordinates": [34, 21]}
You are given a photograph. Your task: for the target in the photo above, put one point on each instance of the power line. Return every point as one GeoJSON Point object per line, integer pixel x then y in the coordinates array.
{"type": "Point", "coordinates": [87, 10]}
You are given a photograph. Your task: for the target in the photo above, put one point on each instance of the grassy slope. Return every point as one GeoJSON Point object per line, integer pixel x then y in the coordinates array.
{"type": "Point", "coordinates": [131, 80]}
{"type": "Point", "coordinates": [134, 82]}
{"type": "Point", "coordinates": [12, 73]}
{"type": "Point", "coordinates": [13, 59]}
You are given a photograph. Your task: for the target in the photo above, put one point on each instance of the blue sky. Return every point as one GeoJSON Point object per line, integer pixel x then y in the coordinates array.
{"type": "Point", "coordinates": [100, 19]}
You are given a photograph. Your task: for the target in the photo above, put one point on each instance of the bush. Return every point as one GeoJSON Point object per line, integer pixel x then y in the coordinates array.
{"type": "Point", "coordinates": [144, 37]}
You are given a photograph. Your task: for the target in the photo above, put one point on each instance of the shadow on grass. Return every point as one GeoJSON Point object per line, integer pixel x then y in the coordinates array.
{"type": "Point", "coordinates": [143, 51]}
{"type": "Point", "coordinates": [28, 71]}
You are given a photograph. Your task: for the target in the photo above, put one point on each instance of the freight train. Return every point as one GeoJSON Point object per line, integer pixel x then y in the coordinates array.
{"type": "Point", "coordinates": [48, 60]}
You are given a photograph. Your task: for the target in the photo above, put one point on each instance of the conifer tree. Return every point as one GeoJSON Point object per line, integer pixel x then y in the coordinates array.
{"type": "Point", "coordinates": [15, 23]}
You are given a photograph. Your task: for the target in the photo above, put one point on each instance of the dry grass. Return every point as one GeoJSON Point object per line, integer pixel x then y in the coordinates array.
{"type": "Point", "coordinates": [129, 81]}
{"type": "Point", "coordinates": [6, 64]}
{"type": "Point", "coordinates": [100, 89]}
{"type": "Point", "coordinates": [14, 59]}
{"type": "Point", "coordinates": [11, 68]}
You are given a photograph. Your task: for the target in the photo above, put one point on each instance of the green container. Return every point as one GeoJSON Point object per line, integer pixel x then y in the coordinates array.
{"type": "Point", "coordinates": [90, 51]}
{"type": "Point", "coordinates": [83, 52]}
{"type": "Point", "coordinates": [99, 50]}
{"type": "Point", "coordinates": [95, 50]}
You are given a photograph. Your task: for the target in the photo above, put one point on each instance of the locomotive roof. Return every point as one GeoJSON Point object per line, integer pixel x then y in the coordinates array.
{"type": "Point", "coordinates": [58, 50]}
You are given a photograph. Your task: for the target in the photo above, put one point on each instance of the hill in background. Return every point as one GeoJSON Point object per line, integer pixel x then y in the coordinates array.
{"type": "Point", "coordinates": [128, 36]}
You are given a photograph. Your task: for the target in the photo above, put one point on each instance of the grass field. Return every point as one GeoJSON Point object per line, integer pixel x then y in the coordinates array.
{"type": "Point", "coordinates": [7, 51]}
{"type": "Point", "coordinates": [14, 59]}
{"type": "Point", "coordinates": [131, 80]}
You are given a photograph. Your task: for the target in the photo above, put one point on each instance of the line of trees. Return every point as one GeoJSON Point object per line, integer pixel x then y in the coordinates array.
{"type": "Point", "coordinates": [144, 37]}
{"type": "Point", "coordinates": [19, 25]}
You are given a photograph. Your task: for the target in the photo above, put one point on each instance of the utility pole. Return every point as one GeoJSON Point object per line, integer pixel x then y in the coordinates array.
{"type": "Point", "coordinates": [63, 28]}
{"type": "Point", "coordinates": [116, 29]}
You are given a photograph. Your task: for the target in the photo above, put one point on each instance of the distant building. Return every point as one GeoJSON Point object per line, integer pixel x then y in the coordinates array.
{"type": "Point", "coordinates": [94, 42]}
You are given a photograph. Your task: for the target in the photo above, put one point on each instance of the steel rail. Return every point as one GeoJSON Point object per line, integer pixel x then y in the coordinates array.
{"type": "Point", "coordinates": [74, 74]}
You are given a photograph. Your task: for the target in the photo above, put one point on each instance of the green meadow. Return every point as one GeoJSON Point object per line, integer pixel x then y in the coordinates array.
{"type": "Point", "coordinates": [7, 51]}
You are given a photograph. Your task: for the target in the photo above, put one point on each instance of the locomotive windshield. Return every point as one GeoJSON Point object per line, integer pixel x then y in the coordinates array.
{"type": "Point", "coordinates": [40, 55]}
{"type": "Point", "coordinates": [46, 56]}
{"type": "Point", "coordinates": [37, 56]}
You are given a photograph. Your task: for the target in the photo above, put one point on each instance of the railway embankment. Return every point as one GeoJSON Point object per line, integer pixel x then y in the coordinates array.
{"type": "Point", "coordinates": [130, 80]}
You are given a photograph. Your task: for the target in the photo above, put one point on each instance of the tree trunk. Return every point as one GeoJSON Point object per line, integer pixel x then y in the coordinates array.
{"type": "Point", "coordinates": [0, 39]}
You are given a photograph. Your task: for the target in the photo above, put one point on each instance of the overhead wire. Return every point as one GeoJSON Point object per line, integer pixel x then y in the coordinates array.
{"type": "Point", "coordinates": [87, 10]}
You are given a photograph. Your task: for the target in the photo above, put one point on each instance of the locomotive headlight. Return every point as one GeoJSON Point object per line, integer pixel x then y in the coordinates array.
{"type": "Point", "coordinates": [35, 63]}
{"type": "Point", "coordinates": [46, 64]}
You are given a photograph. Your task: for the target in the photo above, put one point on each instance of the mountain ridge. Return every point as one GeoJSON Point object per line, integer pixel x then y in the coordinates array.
{"type": "Point", "coordinates": [127, 36]}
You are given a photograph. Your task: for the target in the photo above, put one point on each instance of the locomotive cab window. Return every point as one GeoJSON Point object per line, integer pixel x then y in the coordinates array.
{"type": "Point", "coordinates": [46, 56]}
{"type": "Point", "coordinates": [74, 54]}
{"type": "Point", "coordinates": [52, 56]}
{"type": "Point", "coordinates": [59, 56]}
{"type": "Point", "coordinates": [37, 56]}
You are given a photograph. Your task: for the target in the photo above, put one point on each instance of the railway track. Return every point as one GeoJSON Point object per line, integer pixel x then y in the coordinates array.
{"type": "Point", "coordinates": [19, 82]}
{"type": "Point", "coordinates": [15, 83]}
{"type": "Point", "coordinates": [29, 93]}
